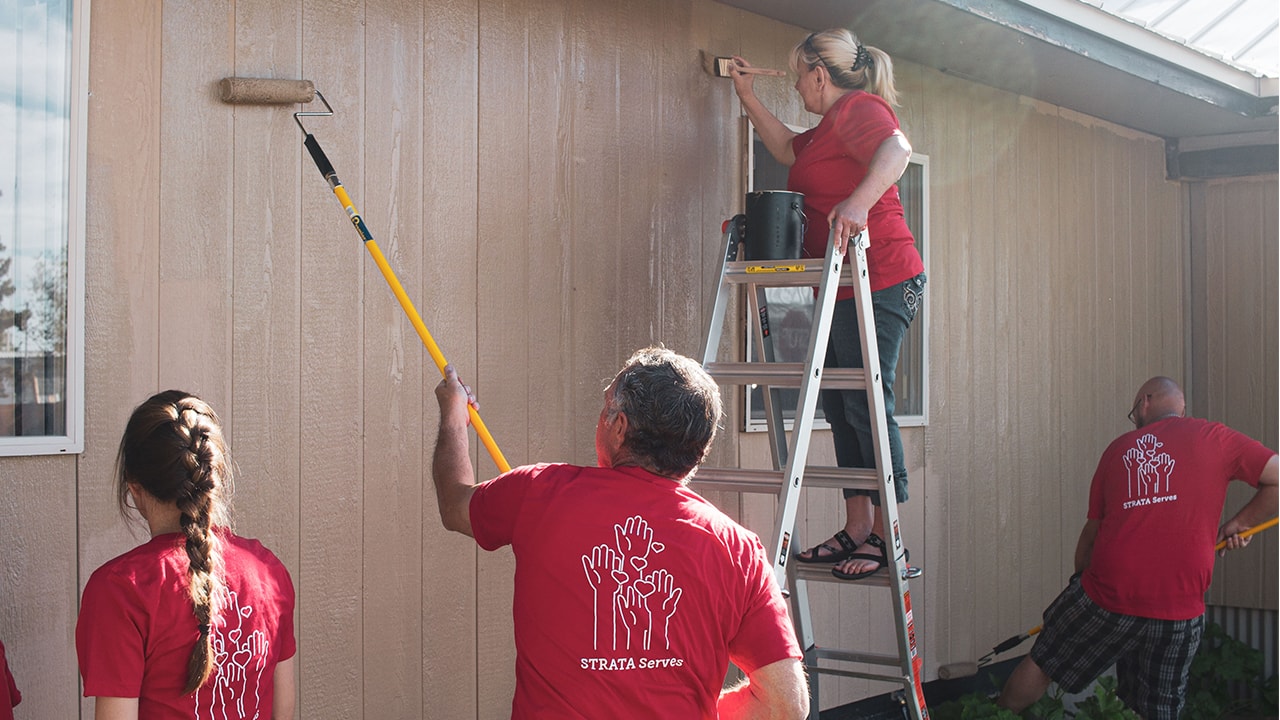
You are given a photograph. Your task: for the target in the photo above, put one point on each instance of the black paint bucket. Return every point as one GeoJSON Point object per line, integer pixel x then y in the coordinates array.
{"type": "Point", "coordinates": [775, 225]}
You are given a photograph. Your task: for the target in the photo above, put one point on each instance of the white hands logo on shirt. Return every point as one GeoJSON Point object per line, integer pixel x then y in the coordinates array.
{"type": "Point", "coordinates": [241, 659]}
{"type": "Point", "coordinates": [1147, 466]}
{"type": "Point", "coordinates": [626, 598]}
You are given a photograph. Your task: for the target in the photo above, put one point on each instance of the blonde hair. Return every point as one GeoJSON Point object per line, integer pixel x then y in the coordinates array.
{"type": "Point", "coordinates": [852, 65]}
{"type": "Point", "coordinates": [174, 449]}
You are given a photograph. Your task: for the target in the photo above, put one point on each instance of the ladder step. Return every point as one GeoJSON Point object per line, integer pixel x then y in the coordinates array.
{"type": "Point", "coordinates": [781, 273]}
{"type": "Point", "coordinates": [822, 573]}
{"type": "Point", "coordinates": [818, 669]}
{"type": "Point", "coordinates": [822, 653]}
{"type": "Point", "coordinates": [770, 481]}
{"type": "Point", "coordinates": [784, 374]}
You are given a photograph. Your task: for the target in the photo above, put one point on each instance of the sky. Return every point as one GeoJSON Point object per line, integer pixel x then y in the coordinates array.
{"type": "Point", "coordinates": [34, 134]}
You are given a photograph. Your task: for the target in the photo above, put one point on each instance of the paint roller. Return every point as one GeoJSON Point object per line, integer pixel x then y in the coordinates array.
{"type": "Point", "coordinates": [965, 669]}
{"type": "Point", "coordinates": [266, 91]}
{"type": "Point", "coordinates": [271, 91]}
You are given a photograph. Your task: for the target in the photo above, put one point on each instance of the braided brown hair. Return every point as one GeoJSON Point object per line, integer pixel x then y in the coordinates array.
{"type": "Point", "coordinates": [174, 449]}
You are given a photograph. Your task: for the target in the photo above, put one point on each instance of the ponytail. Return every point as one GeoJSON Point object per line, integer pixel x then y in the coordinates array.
{"type": "Point", "coordinates": [173, 447]}
{"type": "Point", "coordinates": [851, 65]}
{"type": "Point", "coordinates": [879, 75]}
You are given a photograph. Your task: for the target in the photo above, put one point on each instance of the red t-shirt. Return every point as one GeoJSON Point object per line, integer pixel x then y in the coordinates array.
{"type": "Point", "coordinates": [1158, 493]}
{"type": "Point", "coordinates": [632, 593]}
{"type": "Point", "coordinates": [137, 628]}
{"type": "Point", "coordinates": [831, 159]}
{"type": "Point", "coordinates": [9, 695]}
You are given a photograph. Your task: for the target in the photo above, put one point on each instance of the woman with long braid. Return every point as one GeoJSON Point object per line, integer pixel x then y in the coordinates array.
{"type": "Point", "coordinates": [198, 622]}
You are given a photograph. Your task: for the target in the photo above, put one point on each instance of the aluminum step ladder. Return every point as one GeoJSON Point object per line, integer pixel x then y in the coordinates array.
{"type": "Point", "coordinates": [790, 469]}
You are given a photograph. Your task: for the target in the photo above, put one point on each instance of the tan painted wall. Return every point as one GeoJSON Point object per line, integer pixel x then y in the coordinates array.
{"type": "Point", "coordinates": [548, 179]}
{"type": "Point", "coordinates": [1233, 348]}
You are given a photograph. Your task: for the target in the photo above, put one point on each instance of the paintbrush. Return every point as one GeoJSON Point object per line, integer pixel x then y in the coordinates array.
{"type": "Point", "coordinates": [720, 66]}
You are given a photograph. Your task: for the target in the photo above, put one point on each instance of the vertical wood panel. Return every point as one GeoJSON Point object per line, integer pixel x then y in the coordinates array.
{"type": "Point", "coordinates": [1074, 287]}
{"type": "Point", "coordinates": [195, 203]}
{"type": "Point", "coordinates": [1005, 365]}
{"type": "Point", "coordinates": [916, 530]}
{"type": "Point", "coordinates": [332, 268]}
{"type": "Point", "coordinates": [760, 41]}
{"type": "Point", "coordinates": [679, 202]}
{"type": "Point", "coordinates": [554, 435]}
{"type": "Point", "coordinates": [121, 285]}
{"type": "Point", "coordinates": [265, 343]}
{"type": "Point", "coordinates": [501, 262]}
{"type": "Point", "coordinates": [719, 156]}
{"type": "Point", "coordinates": [266, 436]}
{"type": "Point", "coordinates": [1043, 569]}
{"type": "Point", "coordinates": [593, 340]}
{"type": "Point", "coordinates": [925, 134]}
{"type": "Point", "coordinates": [394, 362]}
{"type": "Point", "coordinates": [959, 317]}
{"type": "Point", "coordinates": [38, 588]}
{"type": "Point", "coordinates": [981, 181]}
{"type": "Point", "coordinates": [1104, 308]}
{"type": "Point", "coordinates": [1168, 224]}
{"type": "Point", "coordinates": [449, 202]}
{"type": "Point", "coordinates": [641, 223]}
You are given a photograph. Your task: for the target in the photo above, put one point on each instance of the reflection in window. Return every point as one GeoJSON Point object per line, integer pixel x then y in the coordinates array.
{"type": "Point", "coordinates": [36, 230]}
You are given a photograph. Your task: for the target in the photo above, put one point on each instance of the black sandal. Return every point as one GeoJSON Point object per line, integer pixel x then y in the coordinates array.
{"type": "Point", "coordinates": [881, 560]}
{"type": "Point", "coordinates": [832, 555]}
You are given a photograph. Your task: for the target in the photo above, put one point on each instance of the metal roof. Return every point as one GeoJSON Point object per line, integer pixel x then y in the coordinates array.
{"type": "Point", "coordinates": [1241, 33]}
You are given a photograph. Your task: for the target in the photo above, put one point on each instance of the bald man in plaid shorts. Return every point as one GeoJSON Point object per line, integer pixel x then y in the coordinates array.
{"type": "Point", "coordinates": [1145, 557]}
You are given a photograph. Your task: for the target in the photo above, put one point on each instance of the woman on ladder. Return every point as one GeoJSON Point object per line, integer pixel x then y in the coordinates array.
{"type": "Point", "coordinates": [847, 167]}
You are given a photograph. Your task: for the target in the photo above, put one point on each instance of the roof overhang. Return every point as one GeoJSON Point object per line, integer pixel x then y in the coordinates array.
{"type": "Point", "coordinates": [1063, 52]}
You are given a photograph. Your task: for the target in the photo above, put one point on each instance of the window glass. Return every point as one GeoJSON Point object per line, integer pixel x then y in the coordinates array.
{"type": "Point", "coordinates": [38, 199]}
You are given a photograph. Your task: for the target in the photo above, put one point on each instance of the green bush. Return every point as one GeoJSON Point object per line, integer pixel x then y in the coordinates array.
{"type": "Point", "coordinates": [1104, 704]}
{"type": "Point", "coordinates": [1220, 661]}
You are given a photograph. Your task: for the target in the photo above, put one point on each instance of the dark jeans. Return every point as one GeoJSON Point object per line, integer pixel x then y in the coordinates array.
{"type": "Point", "coordinates": [846, 410]}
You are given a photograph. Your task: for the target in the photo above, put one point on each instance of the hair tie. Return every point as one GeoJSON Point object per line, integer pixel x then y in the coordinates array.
{"type": "Point", "coordinates": [863, 59]}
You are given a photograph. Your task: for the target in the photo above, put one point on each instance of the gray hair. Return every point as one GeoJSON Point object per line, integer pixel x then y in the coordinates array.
{"type": "Point", "coordinates": [673, 409]}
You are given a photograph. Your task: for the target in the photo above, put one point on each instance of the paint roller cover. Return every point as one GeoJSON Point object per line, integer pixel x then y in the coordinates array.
{"type": "Point", "coordinates": [266, 91]}
{"type": "Point", "coordinates": [958, 670]}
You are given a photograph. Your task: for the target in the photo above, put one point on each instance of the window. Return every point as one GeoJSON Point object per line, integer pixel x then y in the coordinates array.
{"type": "Point", "coordinates": [43, 70]}
{"type": "Point", "coordinates": [790, 309]}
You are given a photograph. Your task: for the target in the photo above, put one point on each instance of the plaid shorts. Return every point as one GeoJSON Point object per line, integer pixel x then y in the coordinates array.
{"type": "Point", "coordinates": [1152, 657]}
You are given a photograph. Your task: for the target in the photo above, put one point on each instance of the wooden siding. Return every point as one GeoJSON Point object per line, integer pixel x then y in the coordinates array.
{"type": "Point", "coordinates": [1233, 349]}
{"type": "Point", "coordinates": [548, 179]}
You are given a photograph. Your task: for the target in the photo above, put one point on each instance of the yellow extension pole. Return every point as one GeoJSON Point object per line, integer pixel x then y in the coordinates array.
{"type": "Point", "coordinates": [326, 169]}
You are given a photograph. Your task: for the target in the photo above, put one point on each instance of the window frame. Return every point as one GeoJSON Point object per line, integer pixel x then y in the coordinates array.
{"type": "Point", "coordinates": [753, 412]}
{"type": "Point", "coordinates": [72, 442]}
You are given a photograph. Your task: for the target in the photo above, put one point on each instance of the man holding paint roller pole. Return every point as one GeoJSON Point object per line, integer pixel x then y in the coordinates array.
{"type": "Point", "coordinates": [632, 593]}
{"type": "Point", "coordinates": [1145, 557]}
